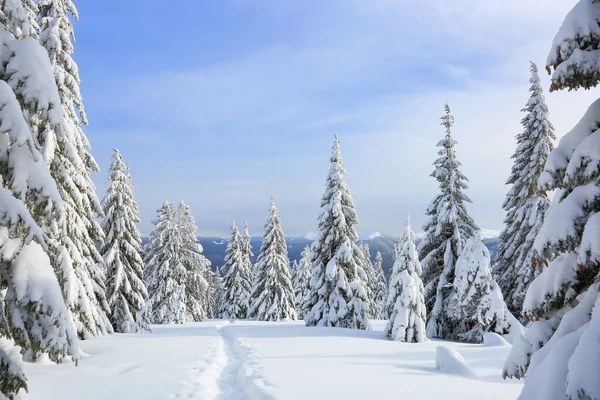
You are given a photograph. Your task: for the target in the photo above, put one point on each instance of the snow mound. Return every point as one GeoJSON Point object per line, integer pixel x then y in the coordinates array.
{"type": "Point", "coordinates": [449, 361]}
{"type": "Point", "coordinates": [491, 339]}
{"type": "Point", "coordinates": [516, 330]}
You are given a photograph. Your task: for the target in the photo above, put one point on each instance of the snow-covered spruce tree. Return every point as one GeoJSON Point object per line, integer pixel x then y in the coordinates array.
{"type": "Point", "coordinates": [164, 273]}
{"type": "Point", "coordinates": [125, 288]}
{"type": "Point", "coordinates": [33, 314]}
{"type": "Point", "coordinates": [272, 297]}
{"type": "Point", "coordinates": [380, 290]}
{"type": "Point", "coordinates": [74, 253]}
{"type": "Point", "coordinates": [448, 227]}
{"type": "Point", "coordinates": [301, 281]}
{"type": "Point", "coordinates": [476, 305]}
{"type": "Point", "coordinates": [237, 283]}
{"type": "Point", "coordinates": [216, 287]}
{"type": "Point", "coordinates": [371, 281]}
{"type": "Point", "coordinates": [338, 296]}
{"type": "Point", "coordinates": [247, 252]}
{"type": "Point", "coordinates": [196, 266]}
{"type": "Point", "coordinates": [525, 204]}
{"type": "Point", "coordinates": [559, 352]}
{"type": "Point", "coordinates": [406, 293]}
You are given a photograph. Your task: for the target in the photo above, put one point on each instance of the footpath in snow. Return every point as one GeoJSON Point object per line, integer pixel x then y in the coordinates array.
{"type": "Point", "coordinates": [261, 360]}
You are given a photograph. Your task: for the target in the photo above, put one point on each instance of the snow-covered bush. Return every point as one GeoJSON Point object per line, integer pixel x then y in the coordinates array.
{"type": "Point", "coordinates": [475, 305]}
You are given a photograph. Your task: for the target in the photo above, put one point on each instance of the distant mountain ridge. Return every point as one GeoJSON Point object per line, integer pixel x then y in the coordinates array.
{"type": "Point", "coordinates": [214, 247]}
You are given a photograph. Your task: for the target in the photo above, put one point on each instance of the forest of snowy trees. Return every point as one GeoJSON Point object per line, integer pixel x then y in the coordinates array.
{"type": "Point", "coordinates": [73, 267]}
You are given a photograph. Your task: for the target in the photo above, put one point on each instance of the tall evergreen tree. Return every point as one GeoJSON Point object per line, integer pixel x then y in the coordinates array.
{"type": "Point", "coordinates": [371, 280]}
{"type": "Point", "coordinates": [217, 291]}
{"type": "Point", "coordinates": [380, 290]}
{"type": "Point", "coordinates": [272, 297]}
{"type": "Point", "coordinates": [406, 293]}
{"type": "Point", "coordinates": [525, 204]}
{"type": "Point", "coordinates": [237, 282]}
{"type": "Point", "coordinates": [301, 281]}
{"type": "Point", "coordinates": [448, 227]}
{"type": "Point", "coordinates": [33, 314]}
{"type": "Point", "coordinates": [196, 266]}
{"type": "Point", "coordinates": [125, 288]}
{"type": "Point", "coordinates": [338, 296]}
{"type": "Point", "coordinates": [247, 252]}
{"type": "Point", "coordinates": [476, 305]}
{"type": "Point", "coordinates": [561, 346]}
{"type": "Point", "coordinates": [165, 274]}
{"type": "Point", "coordinates": [75, 255]}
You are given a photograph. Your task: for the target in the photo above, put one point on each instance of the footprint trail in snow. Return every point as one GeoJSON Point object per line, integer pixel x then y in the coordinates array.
{"type": "Point", "coordinates": [216, 377]}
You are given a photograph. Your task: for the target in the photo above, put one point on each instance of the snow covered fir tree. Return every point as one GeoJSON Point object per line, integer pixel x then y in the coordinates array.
{"type": "Point", "coordinates": [475, 305]}
{"type": "Point", "coordinates": [74, 252]}
{"type": "Point", "coordinates": [197, 267]}
{"type": "Point", "coordinates": [563, 301]}
{"type": "Point", "coordinates": [38, 234]}
{"type": "Point", "coordinates": [406, 292]}
{"type": "Point", "coordinates": [301, 281]}
{"type": "Point", "coordinates": [448, 227]}
{"type": "Point", "coordinates": [371, 279]}
{"type": "Point", "coordinates": [380, 290]}
{"type": "Point", "coordinates": [122, 252]}
{"type": "Point", "coordinates": [272, 297]}
{"type": "Point", "coordinates": [338, 294]}
{"type": "Point", "coordinates": [525, 204]}
{"type": "Point", "coordinates": [237, 283]}
{"type": "Point", "coordinates": [74, 268]}
{"type": "Point", "coordinates": [247, 252]}
{"type": "Point", "coordinates": [164, 273]}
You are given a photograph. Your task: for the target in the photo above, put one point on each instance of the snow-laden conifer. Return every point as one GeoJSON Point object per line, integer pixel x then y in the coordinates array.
{"type": "Point", "coordinates": [33, 314]}
{"type": "Point", "coordinates": [380, 289]}
{"type": "Point", "coordinates": [216, 290]}
{"type": "Point", "coordinates": [301, 281]}
{"type": "Point", "coordinates": [371, 280]}
{"type": "Point", "coordinates": [475, 305]}
{"type": "Point", "coordinates": [272, 297]}
{"type": "Point", "coordinates": [525, 204]}
{"type": "Point", "coordinates": [406, 293]}
{"type": "Point", "coordinates": [237, 283]}
{"type": "Point", "coordinates": [196, 266]}
{"type": "Point", "coordinates": [247, 252]}
{"type": "Point", "coordinates": [338, 296]}
{"type": "Point", "coordinates": [164, 273]}
{"type": "Point", "coordinates": [75, 257]}
{"type": "Point", "coordinates": [448, 227]}
{"type": "Point", "coordinates": [561, 346]}
{"type": "Point", "coordinates": [125, 288]}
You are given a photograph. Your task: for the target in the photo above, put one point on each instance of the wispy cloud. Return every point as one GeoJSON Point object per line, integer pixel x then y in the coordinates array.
{"type": "Point", "coordinates": [257, 121]}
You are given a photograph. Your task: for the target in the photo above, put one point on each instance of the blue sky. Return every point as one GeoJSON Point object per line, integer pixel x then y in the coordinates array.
{"type": "Point", "coordinates": [225, 103]}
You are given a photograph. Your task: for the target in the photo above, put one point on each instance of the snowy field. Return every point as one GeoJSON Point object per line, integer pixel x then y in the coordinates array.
{"type": "Point", "coordinates": [262, 360]}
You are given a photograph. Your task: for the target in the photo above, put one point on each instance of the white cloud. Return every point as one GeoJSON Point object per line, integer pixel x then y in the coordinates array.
{"type": "Point", "coordinates": [378, 72]}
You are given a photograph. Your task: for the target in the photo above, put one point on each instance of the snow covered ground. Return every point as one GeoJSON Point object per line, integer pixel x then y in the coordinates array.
{"type": "Point", "coordinates": [261, 360]}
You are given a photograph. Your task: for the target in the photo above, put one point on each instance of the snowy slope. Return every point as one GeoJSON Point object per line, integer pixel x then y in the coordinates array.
{"type": "Point", "coordinates": [258, 360]}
